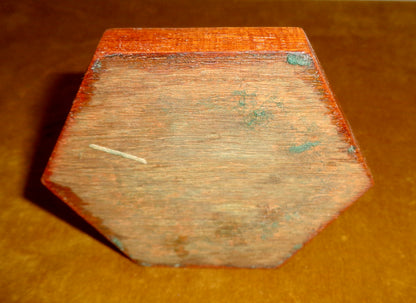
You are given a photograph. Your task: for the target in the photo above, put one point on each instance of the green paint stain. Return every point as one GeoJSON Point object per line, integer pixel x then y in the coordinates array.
{"type": "Point", "coordinates": [210, 102]}
{"type": "Point", "coordinates": [298, 59]}
{"type": "Point", "coordinates": [289, 217]}
{"type": "Point", "coordinates": [248, 106]}
{"type": "Point", "coordinates": [146, 264]}
{"type": "Point", "coordinates": [96, 66]}
{"type": "Point", "coordinates": [304, 147]}
{"type": "Point", "coordinates": [268, 229]}
{"type": "Point", "coordinates": [257, 117]}
{"type": "Point", "coordinates": [118, 243]}
{"type": "Point", "coordinates": [242, 94]}
{"type": "Point", "coordinates": [352, 149]}
{"type": "Point", "coordinates": [297, 247]}
{"type": "Point", "coordinates": [259, 113]}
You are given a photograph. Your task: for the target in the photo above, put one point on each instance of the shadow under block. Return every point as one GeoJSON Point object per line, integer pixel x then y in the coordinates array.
{"type": "Point", "coordinates": [206, 146]}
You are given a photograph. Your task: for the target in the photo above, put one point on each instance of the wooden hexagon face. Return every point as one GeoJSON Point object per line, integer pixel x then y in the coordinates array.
{"type": "Point", "coordinates": [211, 147]}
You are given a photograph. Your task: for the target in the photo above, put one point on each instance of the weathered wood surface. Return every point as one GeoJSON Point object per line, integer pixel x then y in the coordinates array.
{"type": "Point", "coordinates": [219, 147]}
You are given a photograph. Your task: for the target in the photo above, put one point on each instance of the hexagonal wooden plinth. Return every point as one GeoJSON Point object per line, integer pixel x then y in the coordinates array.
{"type": "Point", "coordinates": [208, 146]}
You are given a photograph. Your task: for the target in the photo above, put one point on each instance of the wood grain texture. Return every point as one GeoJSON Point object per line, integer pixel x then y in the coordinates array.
{"type": "Point", "coordinates": [243, 152]}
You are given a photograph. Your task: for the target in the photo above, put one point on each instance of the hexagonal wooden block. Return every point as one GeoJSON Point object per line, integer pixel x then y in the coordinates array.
{"type": "Point", "coordinates": [206, 146]}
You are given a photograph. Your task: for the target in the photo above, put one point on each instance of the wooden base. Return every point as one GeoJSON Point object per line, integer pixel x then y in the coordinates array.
{"type": "Point", "coordinates": [208, 147]}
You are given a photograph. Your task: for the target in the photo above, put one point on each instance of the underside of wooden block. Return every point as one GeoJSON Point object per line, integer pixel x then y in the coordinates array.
{"type": "Point", "coordinates": [206, 146]}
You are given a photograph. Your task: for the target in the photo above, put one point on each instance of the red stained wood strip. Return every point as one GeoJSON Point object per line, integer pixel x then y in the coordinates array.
{"type": "Point", "coordinates": [184, 40]}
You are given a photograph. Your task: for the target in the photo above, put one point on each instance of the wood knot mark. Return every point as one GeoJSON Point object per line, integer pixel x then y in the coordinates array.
{"type": "Point", "coordinates": [271, 179]}
{"type": "Point", "coordinates": [178, 246]}
{"type": "Point", "coordinates": [231, 231]}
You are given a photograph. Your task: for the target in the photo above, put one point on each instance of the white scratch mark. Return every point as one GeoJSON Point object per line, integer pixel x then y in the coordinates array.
{"type": "Point", "coordinates": [117, 153]}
